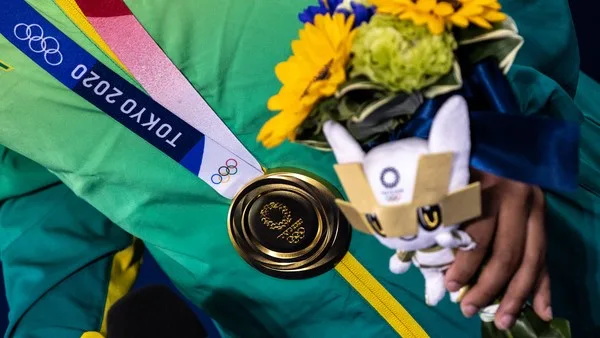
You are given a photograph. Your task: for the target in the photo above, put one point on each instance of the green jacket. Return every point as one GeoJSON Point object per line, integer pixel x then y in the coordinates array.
{"type": "Point", "coordinates": [58, 237]}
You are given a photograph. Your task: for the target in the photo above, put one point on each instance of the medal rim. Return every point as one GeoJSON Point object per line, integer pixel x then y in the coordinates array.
{"type": "Point", "coordinates": [331, 249]}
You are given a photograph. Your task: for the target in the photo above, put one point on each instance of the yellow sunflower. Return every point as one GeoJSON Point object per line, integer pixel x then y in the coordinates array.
{"type": "Point", "coordinates": [314, 71]}
{"type": "Point", "coordinates": [439, 14]}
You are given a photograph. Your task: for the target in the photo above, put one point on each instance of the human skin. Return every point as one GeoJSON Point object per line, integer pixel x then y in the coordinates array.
{"type": "Point", "coordinates": [511, 231]}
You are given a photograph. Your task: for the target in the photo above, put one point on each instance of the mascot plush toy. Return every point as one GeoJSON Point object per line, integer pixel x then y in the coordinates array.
{"type": "Point", "coordinates": [413, 194]}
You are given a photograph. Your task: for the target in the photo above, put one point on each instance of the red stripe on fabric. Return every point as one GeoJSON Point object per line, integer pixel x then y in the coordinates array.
{"type": "Point", "coordinates": [103, 8]}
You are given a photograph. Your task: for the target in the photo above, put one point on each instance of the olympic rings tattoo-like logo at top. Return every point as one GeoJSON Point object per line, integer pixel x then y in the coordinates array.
{"type": "Point", "coordinates": [38, 43]}
{"type": "Point", "coordinates": [225, 172]}
{"type": "Point", "coordinates": [390, 177]}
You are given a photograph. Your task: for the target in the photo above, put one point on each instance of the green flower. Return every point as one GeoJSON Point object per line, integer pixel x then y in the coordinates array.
{"type": "Point", "coordinates": [400, 55]}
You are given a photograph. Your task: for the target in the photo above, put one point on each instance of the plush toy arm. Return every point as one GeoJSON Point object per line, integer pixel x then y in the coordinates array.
{"type": "Point", "coordinates": [456, 239]}
{"type": "Point", "coordinates": [401, 262]}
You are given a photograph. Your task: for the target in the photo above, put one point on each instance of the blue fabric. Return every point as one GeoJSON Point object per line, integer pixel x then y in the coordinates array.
{"type": "Point", "coordinates": [361, 13]}
{"type": "Point", "coordinates": [152, 274]}
{"type": "Point", "coordinates": [499, 131]}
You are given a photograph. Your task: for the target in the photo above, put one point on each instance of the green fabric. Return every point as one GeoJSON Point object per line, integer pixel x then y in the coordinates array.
{"type": "Point", "coordinates": [56, 252]}
{"type": "Point", "coordinates": [228, 49]}
{"type": "Point", "coordinates": [550, 40]}
{"type": "Point", "coordinates": [20, 175]}
{"type": "Point", "coordinates": [573, 228]}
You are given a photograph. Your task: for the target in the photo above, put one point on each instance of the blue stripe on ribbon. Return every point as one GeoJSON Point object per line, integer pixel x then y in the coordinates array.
{"type": "Point", "coordinates": [536, 150]}
{"type": "Point", "coordinates": [78, 70]}
{"type": "Point", "coordinates": [138, 112]}
{"type": "Point", "coordinates": [193, 160]}
{"type": "Point", "coordinates": [41, 41]}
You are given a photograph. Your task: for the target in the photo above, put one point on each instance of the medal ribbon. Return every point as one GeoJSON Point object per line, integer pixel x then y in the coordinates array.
{"type": "Point", "coordinates": [78, 70]}
{"type": "Point", "coordinates": [74, 69]}
{"type": "Point", "coordinates": [126, 37]}
{"type": "Point", "coordinates": [155, 72]}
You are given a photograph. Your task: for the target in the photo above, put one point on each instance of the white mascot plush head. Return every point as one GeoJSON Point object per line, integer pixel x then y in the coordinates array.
{"type": "Point", "coordinates": [391, 168]}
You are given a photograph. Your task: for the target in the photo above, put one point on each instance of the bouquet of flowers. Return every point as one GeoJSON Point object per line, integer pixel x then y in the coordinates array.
{"type": "Point", "coordinates": [369, 64]}
{"type": "Point", "coordinates": [375, 67]}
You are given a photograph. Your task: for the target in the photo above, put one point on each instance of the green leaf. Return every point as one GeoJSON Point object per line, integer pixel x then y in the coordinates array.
{"type": "Point", "coordinates": [561, 327]}
{"type": "Point", "coordinates": [315, 144]}
{"type": "Point", "coordinates": [358, 83]}
{"type": "Point", "coordinates": [447, 83]}
{"type": "Point", "coordinates": [384, 116]}
{"type": "Point", "coordinates": [529, 325]}
{"type": "Point", "coordinates": [367, 110]}
{"type": "Point", "coordinates": [354, 104]}
{"type": "Point", "coordinates": [503, 42]}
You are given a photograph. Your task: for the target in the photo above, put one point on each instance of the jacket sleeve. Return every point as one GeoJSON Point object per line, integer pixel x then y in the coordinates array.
{"type": "Point", "coordinates": [152, 197]}
{"type": "Point", "coordinates": [63, 264]}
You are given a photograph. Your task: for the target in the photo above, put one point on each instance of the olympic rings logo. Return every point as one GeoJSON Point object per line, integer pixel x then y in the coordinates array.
{"type": "Point", "coordinates": [266, 219]}
{"type": "Point", "coordinates": [296, 236]}
{"type": "Point", "coordinates": [225, 172]}
{"type": "Point", "coordinates": [390, 177]}
{"type": "Point", "coordinates": [38, 43]}
{"type": "Point", "coordinates": [293, 233]}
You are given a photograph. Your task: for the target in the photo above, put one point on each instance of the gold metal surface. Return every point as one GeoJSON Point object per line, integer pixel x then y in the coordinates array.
{"type": "Point", "coordinates": [287, 225]}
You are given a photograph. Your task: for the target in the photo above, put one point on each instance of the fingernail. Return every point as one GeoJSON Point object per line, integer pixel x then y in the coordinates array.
{"type": "Point", "coordinates": [549, 313]}
{"type": "Point", "coordinates": [453, 286]}
{"type": "Point", "coordinates": [506, 322]}
{"type": "Point", "coordinates": [469, 310]}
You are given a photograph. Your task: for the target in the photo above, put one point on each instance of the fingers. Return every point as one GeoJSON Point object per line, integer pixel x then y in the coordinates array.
{"type": "Point", "coordinates": [542, 297]}
{"type": "Point", "coordinates": [467, 263]}
{"type": "Point", "coordinates": [526, 277]}
{"type": "Point", "coordinates": [507, 251]}
{"type": "Point", "coordinates": [481, 231]}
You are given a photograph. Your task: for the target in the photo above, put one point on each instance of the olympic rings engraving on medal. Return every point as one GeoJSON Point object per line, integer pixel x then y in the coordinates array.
{"type": "Point", "coordinates": [296, 236]}
{"type": "Point", "coordinates": [293, 233]}
{"type": "Point", "coordinates": [267, 219]}
{"type": "Point", "coordinates": [225, 172]}
{"type": "Point", "coordinates": [38, 44]}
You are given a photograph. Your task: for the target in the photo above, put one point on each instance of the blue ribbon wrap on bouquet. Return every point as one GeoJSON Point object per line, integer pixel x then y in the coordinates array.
{"type": "Point", "coordinates": [536, 150]}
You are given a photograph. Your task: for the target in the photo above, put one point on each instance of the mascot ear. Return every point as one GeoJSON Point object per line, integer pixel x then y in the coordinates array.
{"type": "Point", "coordinates": [451, 132]}
{"type": "Point", "coordinates": [344, 146]}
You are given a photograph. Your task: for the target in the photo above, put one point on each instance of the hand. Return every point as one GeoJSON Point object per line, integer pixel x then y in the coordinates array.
{"type": "Point", "coordinates": [511, 230]}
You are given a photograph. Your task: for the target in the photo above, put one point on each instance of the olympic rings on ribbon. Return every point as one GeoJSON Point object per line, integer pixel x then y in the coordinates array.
{"type": "Point", "coordinates": [225, 172]}
{"type": "Point", "coordinates": [48, 45]}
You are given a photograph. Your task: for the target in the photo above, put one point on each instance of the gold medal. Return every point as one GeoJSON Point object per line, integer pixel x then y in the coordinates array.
{"type": "Point", "coordinates": [287, 225]}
